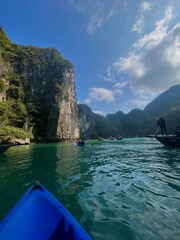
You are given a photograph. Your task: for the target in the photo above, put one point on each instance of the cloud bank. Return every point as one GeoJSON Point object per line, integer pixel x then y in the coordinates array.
{"type": "Point", "coordinates": [140, 21]}
{"type": "Point", "coordinates": [100, 95]}
{"type": "Point", "coordinates": [153, 62]}
{"type": "Point", "coordinates": [98, 12]}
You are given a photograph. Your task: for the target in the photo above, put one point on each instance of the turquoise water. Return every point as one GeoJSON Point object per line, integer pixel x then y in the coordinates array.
{"type": "Point", "coordinates": [126, 189]}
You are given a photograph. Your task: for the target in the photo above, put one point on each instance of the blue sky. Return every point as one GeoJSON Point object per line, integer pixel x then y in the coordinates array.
{"type": "Point", "coordinates": [125, 52]}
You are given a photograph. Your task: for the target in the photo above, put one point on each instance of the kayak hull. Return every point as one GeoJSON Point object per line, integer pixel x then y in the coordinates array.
{"type": "Point", "coordinates": [39, 215]}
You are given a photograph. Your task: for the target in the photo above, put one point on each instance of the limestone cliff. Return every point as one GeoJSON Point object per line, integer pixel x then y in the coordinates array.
{"type": "Point", "coordinates": [41, 82]}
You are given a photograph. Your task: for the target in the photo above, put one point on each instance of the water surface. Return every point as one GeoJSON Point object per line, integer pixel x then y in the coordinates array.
{"type": "Point", "coordinates": [126, 189]}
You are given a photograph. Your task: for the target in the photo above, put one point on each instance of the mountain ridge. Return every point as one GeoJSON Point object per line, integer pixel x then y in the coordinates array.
{"type": "Point", "coordinates": [137, 122]}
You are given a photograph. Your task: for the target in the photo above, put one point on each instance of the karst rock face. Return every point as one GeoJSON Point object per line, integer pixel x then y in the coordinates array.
{"type": "Point", "coordinates": [43, 82]}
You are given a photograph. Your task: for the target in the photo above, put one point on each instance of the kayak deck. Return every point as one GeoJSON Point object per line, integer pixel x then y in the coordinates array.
{"type": "Point", "coordinates": [39, 215]}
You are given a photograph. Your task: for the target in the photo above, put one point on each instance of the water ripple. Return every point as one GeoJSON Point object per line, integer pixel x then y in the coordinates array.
{"type": "Point", "coordinates": [126, 189]}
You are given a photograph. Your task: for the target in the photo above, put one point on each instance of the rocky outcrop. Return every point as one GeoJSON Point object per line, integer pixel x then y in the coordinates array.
{"type": "Point", "coordinates": [3, 69]}
{"type": "Point", "coordinates": [68, 123]}
{"type": "Point", "coordinates": [86, 120]}
{"type": "Point", "coordinates": [42, 82]}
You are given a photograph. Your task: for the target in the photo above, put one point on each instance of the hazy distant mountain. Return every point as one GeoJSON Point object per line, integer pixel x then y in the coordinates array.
{"type": "Point", "coordinates": [93, 125]}
{"type": "Point", "coordinates": [135, 123]}
{"type": "Point", "coordinates": [165, 102]}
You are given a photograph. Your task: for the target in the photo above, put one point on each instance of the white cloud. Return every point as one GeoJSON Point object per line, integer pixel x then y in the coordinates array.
{"type": "Point", "coordinates": [99, 112]}
{"type": "Point", "coordinates": [155, 37]}
{"type": "Point", "coordinates": [101, 15]}
{"type": "Point", "coordinates": [140, 21]}
{"type": "Point", "coordinates": [100, 95]}
{"type": "Point", "coordinates": [172, 50]}
{"type": "Point", "coordinates": [146, 6]}
{"type": "Point", "coordinates": [109, 75]}
{"type": "Point", "coordinates": [112, 76]}
{"type": "Point", "coordinates": [120, 84]}
{"type": "Point", "coordinates": [105, 95]}
{"type": "Point", "coordinates": [153, 63]}
{"type": "Point", "coordinates": [119, 87]}
{"type": "Point", "coordinates": [98, 12]}
{"type": "Point", "coordinates": [94, 23]}
{"type": "Point", "coordinates": [132, 64]}
{"type": "Point", "coordinates": [139, 102]}
{"type": "Point", "coordinates": [87, 100]}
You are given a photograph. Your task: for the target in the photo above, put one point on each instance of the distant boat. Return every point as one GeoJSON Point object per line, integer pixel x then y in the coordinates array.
{"type": "Point", "coordinates": [80, 143]}
{"type": "Point", "coordinates": [100, 139]}
{"type": "Point", "coordinates": [111, 138]}
{"type": "Point", "coordinates": [119, 138]}
{"type": "Point", "coordinates": [4, 147]}
{"type": "Point", "coordinates": [169, 140]}
{"type": "Point", "coordinates": [39, 215]}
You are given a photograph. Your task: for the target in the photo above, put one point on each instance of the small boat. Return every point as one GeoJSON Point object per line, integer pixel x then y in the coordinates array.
{"type": "Point", "coordinates": [100, 139]}
{"type": "Point", "coordinates": [119, 138]}
{"type": "Point", "coordinates": [167, 140]}
{"type": "Point", "coordinates": [80, 143]}
{"type": "Point", "coordinates": [39, 216]}
{"type": "Point", "coordinates": [111, 138]}
{"type": "Point", "coordinates": [4, 147]}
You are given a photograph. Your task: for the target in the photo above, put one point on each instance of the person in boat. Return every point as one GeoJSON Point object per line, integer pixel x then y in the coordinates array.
{"type": "Point", "coordinates": [80, 142]}
{"type": "Point", "coordinates": [162, 124]}
{"type": "Point", "coordinates": [177, 131]}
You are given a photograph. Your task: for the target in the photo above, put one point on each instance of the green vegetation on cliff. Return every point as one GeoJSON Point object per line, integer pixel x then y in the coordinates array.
{"type": "Point", "coordinates": [12, 110]}
{"type": "Point", "coordinates": [12, 132]}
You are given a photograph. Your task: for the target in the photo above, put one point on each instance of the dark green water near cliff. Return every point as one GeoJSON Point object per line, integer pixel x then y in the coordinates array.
{"type": "Point", "coordinates": [126, 189]}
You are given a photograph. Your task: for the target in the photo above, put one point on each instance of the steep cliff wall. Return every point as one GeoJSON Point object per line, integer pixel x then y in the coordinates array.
{"type": "Point", "coordinates": [68, 122]}
{"type": "Point", "coordinates": [2, 81]}
{"type": "Point", "coordinates": [42, 81]}
{"type": "Point", "coordinates": [86, 121]}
